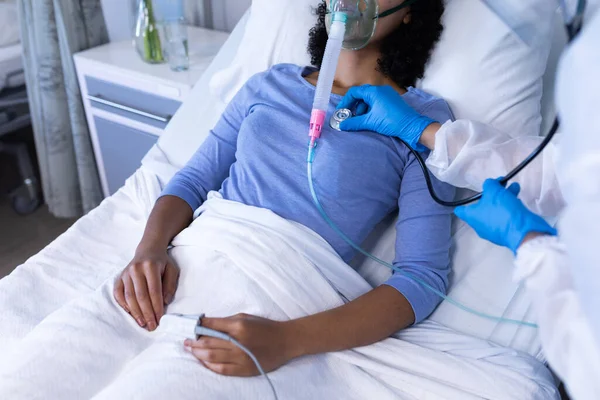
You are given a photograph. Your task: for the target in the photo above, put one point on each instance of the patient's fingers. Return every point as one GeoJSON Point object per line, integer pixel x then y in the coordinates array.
{"type": "Point", "coordinates": [224, 369]}
{"type": "Point", "coordinates": [212, 355]}
{"type": "Point", "coordinates": [207, 342]}
{"type": "Point", "coordinates": [154, 281]}
{"type": "Point", "coordinates": [143, 298]}
{"type": "Point", "coordinates": [119, 294]}
{"type": "Point", "coordinates": [169, 282]}
{"type": "Point", "coordinates": [226, 325]}
{"type": "Point", "coordinates": [130, 298]}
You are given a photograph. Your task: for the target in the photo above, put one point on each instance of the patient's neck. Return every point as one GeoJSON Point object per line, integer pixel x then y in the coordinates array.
{"type": "Point", "coordinates": [357, 68]}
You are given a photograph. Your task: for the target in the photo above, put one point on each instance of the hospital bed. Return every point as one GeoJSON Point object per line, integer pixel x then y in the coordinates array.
{"type": "Point", "coordinates": [14, 115]}
{"type": "Point", "coordinates": [102, 243]}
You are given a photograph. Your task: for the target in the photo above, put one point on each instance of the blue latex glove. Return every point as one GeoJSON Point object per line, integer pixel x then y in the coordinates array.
{"type": "Point", "coordinates": [501, 217]}
{"type": "Point", "coordinates": [381, 109]}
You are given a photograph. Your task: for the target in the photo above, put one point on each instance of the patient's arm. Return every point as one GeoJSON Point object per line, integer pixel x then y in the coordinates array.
{"type": "Point", "coordinates": [422, 250]}
{"type": "Point", "coordinates": [422, 247]}
{"type": "Point", "coordinates": [150, 280]}
{"type": "Point", "coordinates": [366, 320]}
{"type": "Point", "coordinates": [169, 216]}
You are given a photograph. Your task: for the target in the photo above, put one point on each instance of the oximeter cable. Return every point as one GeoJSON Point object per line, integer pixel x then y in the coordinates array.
{"type": "Point", "coordinates": [202, 331]}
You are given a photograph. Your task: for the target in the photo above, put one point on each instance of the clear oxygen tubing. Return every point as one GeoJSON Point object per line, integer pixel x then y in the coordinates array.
{"type": "Point", "coordinates": [338, 231]}
{"type": "Point", "coordinates": [317, 120]}
{"type": "Point", "coordinates": [326, 75]}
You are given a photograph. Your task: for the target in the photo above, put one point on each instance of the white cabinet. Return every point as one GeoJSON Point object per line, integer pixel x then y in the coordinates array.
{"type": "Point", "coordinates": [128, 102]}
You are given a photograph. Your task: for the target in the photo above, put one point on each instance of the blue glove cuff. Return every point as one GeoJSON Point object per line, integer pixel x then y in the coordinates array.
{"type": "Point", "coordinates": [534, 223]}
{"type": "Point", "coordinates": [413, 135]}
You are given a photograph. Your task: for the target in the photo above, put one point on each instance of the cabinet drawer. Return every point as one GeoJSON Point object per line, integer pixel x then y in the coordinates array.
{"type": "Point", "coordinates": [130, 103]}
{"type": "Point", "coordinates": [122, 149]}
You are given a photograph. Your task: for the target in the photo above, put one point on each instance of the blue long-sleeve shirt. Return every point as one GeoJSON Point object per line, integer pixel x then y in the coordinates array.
{"type": "Point", "coordinates": [256, 155]}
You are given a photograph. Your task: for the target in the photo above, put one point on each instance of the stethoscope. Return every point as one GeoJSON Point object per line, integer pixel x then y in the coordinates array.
{"type": "Point", "coordinates": [573, 28]}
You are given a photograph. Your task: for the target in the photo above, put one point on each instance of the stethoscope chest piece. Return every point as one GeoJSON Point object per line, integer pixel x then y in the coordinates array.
{"type": "Point", "coordinates": [339, 116]}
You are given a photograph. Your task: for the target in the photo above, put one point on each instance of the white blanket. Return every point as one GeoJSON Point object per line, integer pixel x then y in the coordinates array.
{"type": "Point", "coordinates": [76, 263]}
{"type": "Point", "coordinates": [236, 258]}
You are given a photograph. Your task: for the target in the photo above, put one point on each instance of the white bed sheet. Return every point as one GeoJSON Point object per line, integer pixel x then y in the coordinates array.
{"type": "Point", "coordinates": [226, 245]}
{"type": "Point", "coordinates": [77, 262]}
{"type": "Point", "coordinates": [11, 66]}
{"type": "Point", "coordinates": [103, 241]}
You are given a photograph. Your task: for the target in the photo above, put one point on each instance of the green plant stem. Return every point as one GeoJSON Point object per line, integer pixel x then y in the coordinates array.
{"type": "Point", "coordinates": [152, 45]}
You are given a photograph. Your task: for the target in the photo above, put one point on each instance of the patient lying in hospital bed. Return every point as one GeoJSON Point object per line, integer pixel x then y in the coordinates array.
{"type": "Point", "coordinates": [256, 155]}
{"type": "Point", "coordinates": [260, 247]}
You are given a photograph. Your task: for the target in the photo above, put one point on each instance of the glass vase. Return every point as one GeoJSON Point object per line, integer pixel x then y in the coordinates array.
{"type": "Point", "coordinates": [147, 38]}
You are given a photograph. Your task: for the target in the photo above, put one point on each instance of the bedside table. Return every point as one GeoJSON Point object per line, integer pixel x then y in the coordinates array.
{"type": "Point", "coordinates": [128, 102]}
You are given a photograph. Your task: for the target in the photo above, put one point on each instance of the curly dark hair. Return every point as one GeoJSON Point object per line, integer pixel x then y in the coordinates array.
{"type": "Point", "coordinates": [404, 52]}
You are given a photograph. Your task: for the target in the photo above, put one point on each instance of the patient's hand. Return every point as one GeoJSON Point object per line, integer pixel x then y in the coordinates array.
{"type": "Point", "coordinates": [146, 285]}
{"type": "Point", "coordinates": [268, 340]}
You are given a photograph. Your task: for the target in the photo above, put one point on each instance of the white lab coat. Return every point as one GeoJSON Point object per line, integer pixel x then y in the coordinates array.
{"type": "Point", "coordinates": [565, 333]}
{"type": "Point", "coordinates": [562, 275]}
{"type": "Point", "coordinates": [466, 153]}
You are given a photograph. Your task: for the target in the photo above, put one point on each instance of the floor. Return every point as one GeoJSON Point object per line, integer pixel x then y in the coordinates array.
{"type": "Point", "coordinates": [21, 237]}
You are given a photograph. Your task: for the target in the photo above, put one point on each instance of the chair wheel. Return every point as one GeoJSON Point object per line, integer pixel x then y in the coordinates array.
{"type": "Point", "coordinates": [24, 205]}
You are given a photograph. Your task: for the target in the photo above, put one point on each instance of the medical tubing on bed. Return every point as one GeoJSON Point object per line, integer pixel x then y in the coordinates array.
{"type": "Point", "coordinates": [326, 75]}
{"type": "Point", "coordinates": [392, 267]}
{"type": "Point", "coordinates": [202, 331]}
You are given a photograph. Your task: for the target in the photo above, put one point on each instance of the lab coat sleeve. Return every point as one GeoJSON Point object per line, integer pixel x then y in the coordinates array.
{"type": "Point", "coordinates": [467, 153]}
{"type": "Point", "coordinates": [578, 98]}
{"type": "Point", "coordinates": [567, 339]}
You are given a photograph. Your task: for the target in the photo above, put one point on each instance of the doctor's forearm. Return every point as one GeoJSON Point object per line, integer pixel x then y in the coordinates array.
{"type": "Point", "coordinates": [364, 321]}
{"type": "Point", "coordinates": [169, 216]}
{"type": "Point", "coordinates": [428, 136]}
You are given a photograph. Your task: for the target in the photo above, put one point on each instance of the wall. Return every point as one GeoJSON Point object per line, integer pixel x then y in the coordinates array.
{"type": "Point", "coordinates": [119, 15]}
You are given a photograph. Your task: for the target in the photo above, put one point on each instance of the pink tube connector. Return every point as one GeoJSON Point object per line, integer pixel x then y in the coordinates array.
{"type": "Point", "coordinates": [317, 121]}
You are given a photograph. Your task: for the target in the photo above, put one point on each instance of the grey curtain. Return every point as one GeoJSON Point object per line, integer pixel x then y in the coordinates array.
{"type": "Point", "coordinates": [198, 13]}
{"type": "Point", "coordinates": [51, 32]}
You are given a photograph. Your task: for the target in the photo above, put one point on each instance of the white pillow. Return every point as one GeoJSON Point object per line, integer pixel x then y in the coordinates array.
{"type": "Point", "coordinates": [198, 114]}
{"type": "Point", "coordinates": [277, 32]}
{"type": "Point", "coordinates": [488, 73]}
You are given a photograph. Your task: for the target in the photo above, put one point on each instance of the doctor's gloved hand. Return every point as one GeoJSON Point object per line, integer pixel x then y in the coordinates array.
{"type": "Point", "coordinates": [382, 109]}
{"type": "Point", "coordinates": [501, 217]}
